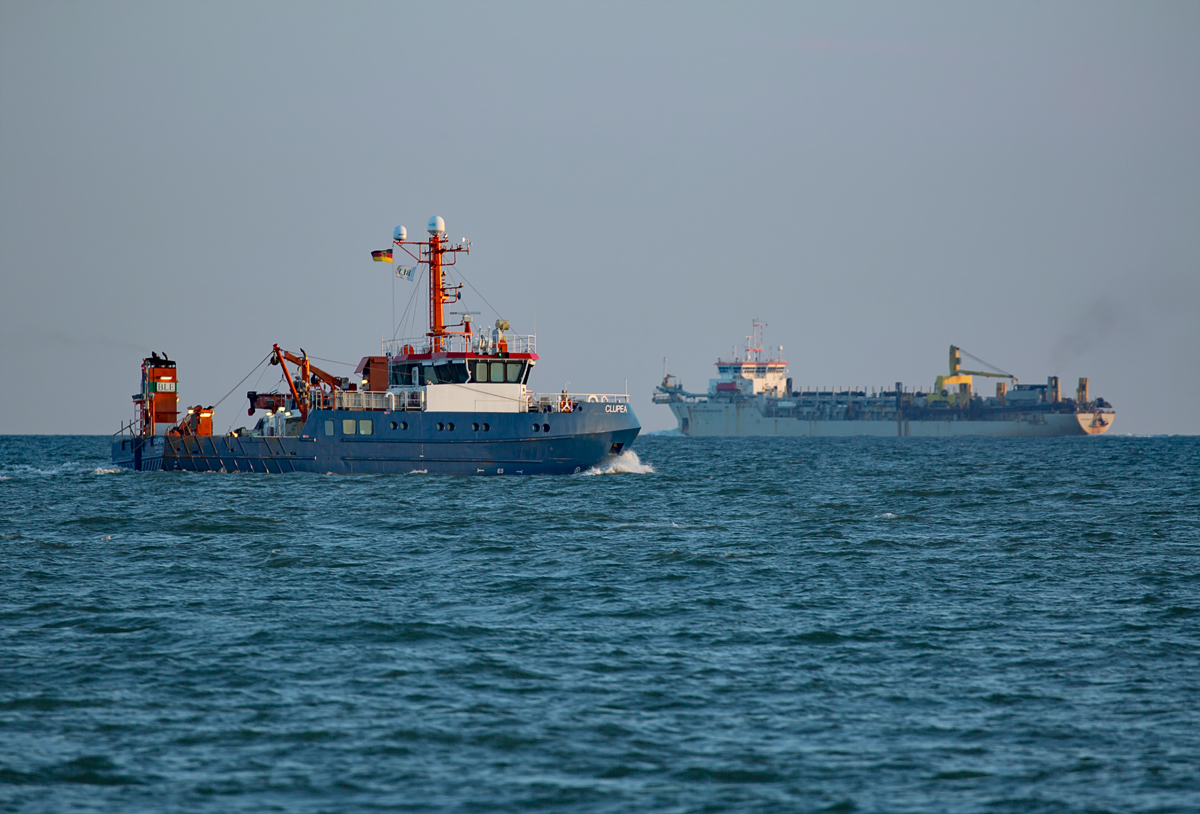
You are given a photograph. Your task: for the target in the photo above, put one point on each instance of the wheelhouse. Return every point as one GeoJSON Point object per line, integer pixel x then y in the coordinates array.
{"type": "Point", "coordinates": [417, 372]}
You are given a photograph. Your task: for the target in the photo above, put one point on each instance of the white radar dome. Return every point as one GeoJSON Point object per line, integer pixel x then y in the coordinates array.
{"type": "Point", "coordinates": [399, 233]}
{"type": "Point", "coordinates": [437, 226]}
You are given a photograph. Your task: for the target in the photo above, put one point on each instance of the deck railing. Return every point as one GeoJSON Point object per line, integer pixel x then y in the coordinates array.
{"type": "Point", "coordinates": [413, 399]}
{"type": "Point", "coordinates": [565, 402]}
{"type": "Point", "coordinates": [128, 430]}
{"type": "Point", "coordinates": [396, 399]}
{"type": "Point", "coordinates": [457, 343]}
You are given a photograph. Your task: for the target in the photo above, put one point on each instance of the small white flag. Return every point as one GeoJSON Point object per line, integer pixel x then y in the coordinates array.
{"type": "Point", "coordinates": [406, 272]}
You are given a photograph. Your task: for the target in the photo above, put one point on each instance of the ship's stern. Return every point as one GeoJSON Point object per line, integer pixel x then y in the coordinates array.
{"type": "Point", "coordinates": [1097, 422]}
{"type": "Point", "coordinates": [139, 453]}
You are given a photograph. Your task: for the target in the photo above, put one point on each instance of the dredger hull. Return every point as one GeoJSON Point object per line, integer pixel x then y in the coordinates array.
{"type": "Point", "coordinates": [732, 419]}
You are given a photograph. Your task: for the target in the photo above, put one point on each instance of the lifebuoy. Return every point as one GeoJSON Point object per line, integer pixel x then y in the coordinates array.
{"type": "Point", "coordinates": [592, 398]}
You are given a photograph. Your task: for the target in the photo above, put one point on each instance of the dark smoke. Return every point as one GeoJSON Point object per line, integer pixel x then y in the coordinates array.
{"type": "Point", "coordinates": [1098, 326]}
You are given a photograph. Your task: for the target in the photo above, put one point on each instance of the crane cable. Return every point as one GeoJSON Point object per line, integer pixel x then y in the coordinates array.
{"type": "Point", "coordinates": [986, 363]}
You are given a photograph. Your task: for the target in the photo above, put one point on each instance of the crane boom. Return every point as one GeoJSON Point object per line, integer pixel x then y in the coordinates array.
{"type": "Point", "coordinates": [279, 355]}
{"type": "Point", "coordinates": [308, 371]}
{"type": "Point", "coordinates": [985, 373]}
{"type": "Point", "coordinates": [302, 361]}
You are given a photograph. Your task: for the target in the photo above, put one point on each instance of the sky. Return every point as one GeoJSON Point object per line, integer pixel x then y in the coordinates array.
{"type": "Point", "coordinates": [875, 181]}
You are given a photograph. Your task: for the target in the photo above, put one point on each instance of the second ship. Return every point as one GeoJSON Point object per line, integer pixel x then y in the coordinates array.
{"type": "Point", "coordinates": [753, 395]}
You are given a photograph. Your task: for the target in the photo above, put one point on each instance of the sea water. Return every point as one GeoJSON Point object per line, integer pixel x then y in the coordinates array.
{"type": "Point", "coordinates": [760, 625]}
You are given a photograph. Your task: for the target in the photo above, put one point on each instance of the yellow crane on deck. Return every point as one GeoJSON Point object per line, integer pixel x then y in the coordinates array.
{"type": "Point", "coordinates": [963, 378]}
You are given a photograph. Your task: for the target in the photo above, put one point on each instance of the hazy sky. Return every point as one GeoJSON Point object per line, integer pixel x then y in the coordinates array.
{"type": "Point", "coordinates": [876, 181]}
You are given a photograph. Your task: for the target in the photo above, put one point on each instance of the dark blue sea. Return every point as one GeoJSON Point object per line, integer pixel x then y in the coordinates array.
{"type": "Point", "coordinates": [742, 625]}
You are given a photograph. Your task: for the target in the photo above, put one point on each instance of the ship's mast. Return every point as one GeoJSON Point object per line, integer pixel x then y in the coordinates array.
{"type": "Point", "coordinates": [437, 292]}
{"type": "Point", "coordinates": [433, 252]}
{"type": "Point", "coordinates": [754, 343]}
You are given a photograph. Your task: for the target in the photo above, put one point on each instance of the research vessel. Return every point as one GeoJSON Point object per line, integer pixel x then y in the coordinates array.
{"type": "Point", "coordinates": [753, 395]}
{"type": "Point", "coordinates": [454, 400]}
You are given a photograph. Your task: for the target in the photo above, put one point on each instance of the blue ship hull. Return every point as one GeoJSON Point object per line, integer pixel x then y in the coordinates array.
{"type": "Point", "coordinates": [562, 443]}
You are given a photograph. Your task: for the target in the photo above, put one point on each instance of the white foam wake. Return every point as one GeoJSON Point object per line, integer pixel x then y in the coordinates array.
{"type": "Point", "coordinates": [627, 463]}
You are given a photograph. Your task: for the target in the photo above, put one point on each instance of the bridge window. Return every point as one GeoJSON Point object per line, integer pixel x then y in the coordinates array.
{"type": "Point", "coordinates": [500, 372]}
{"type": "Point", "coordinates": [447, 373]}
{"type": "Point", "coordinates": [401, 375]}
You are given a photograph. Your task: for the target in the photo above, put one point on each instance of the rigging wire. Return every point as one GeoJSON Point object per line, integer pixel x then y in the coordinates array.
{"type": "Point", "coordinates": [282, 382]}
{"type": "Point", "coordinates": [258, 381]}
{"type": "Point", "coordinates": [986, 363]}
{"type": "Point", "coordinates": [239, 384]}
{"type": "Point", "coordinates": [332, 361]}
{"type": "Point", "coordinates": [409, 314]}
{"type": "Point", "coordinates": [476, 290]}
{"type": "Point", "coordinates": [414, 313]}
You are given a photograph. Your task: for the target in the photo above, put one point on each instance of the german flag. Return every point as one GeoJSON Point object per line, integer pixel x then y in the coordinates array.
{"type": "Point", "coordinates": [384, 256]}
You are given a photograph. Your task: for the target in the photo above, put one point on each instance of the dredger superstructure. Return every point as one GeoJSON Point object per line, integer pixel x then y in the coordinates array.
{"type": "Point", "coordinates": [454, 400]}
{"type": "Point", "coordinates": [753, 395]}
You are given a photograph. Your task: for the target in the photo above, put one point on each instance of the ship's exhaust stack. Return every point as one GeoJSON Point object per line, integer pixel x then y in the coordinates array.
{"type": "Point", "coordinates": [159, 399]}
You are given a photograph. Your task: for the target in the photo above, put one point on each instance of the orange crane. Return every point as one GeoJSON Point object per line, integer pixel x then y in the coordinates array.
{"type": "Point", "coordinates": [309, 374]}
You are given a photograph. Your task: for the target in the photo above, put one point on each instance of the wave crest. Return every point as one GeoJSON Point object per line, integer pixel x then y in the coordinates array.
{"type": "Point", "coordinates": [627, 463]}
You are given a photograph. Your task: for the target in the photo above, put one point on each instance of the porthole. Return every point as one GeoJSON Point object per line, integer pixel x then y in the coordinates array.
{"type": "Point", "coordinates": [404, 425]}
{"type": "Point", "coordinates": [450, 426]}
{"type": "Point", "coordinates": [545, 428]}
{"type": "Point", "coordinates": [536, 427]}
{"type": "Point", "coordinates": [441, 426]}
{"type": "Point", "coordinates": [394, 425]}
{"type": "Point", "coordinates": [486, 427]}
{"type": "Point", "coordinates": [475, 427]}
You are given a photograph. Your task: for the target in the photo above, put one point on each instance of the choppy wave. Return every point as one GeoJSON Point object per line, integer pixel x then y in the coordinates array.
{"type": "Point", "coordinates": [12, 471]}
{"type": "Point", "coordinates": [985, 625]}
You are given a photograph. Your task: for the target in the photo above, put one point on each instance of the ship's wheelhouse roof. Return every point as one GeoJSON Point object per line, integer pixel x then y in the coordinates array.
{"type": "Point", "coordinates": [464, 357]}
{"type": "Point", "coordinates": [744, 363]}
